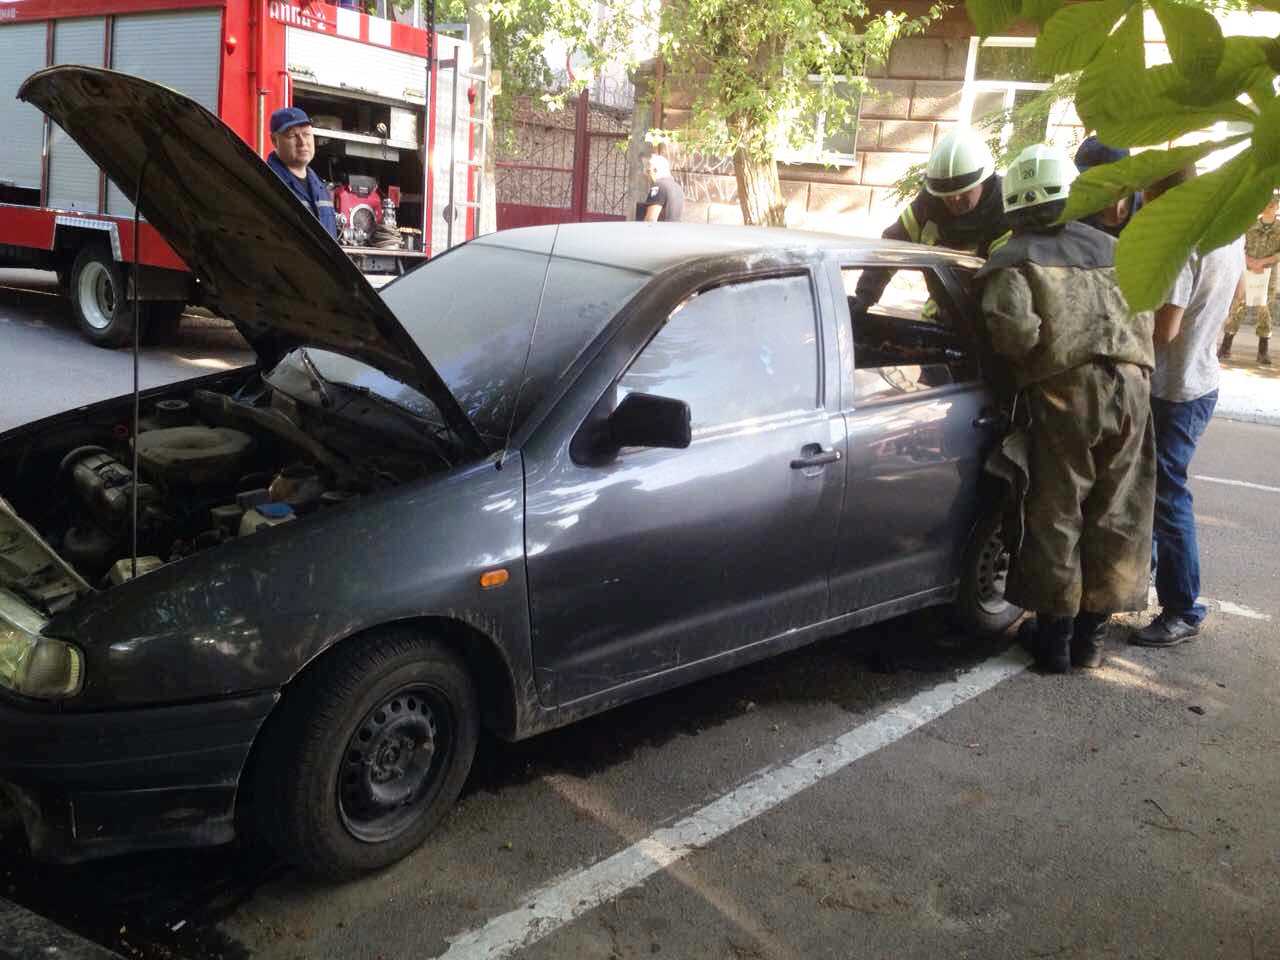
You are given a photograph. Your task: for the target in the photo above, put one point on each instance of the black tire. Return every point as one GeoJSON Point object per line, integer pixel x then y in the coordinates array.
{"type": "Point", "coordinates": [981, 608]}
{"type": "Point", "coordinates": [161, 320]}
{"type": "Point", "coordinates": [343, 781]}
{"type": "Point", "coordinates": [98, 291]}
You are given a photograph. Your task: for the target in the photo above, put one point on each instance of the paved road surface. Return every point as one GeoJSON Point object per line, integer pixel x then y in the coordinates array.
{"type": "Point", "coordinates": [49, 367]}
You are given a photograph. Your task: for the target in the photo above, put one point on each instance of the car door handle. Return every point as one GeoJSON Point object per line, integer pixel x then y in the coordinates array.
{"type": "Point", "coordinates": [814, 456]}
{"type": "Point", "coordinates": [988, 420]}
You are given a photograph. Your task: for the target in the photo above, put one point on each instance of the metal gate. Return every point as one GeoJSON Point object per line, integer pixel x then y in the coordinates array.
{"type": "Point", "coordinates": [567, 166]}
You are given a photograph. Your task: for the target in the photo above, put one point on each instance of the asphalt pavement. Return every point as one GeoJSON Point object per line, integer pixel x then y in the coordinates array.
{"type": "Point", "coordinates": [48, 367]}
{"type": "Point", "coordinates": [893, 793]}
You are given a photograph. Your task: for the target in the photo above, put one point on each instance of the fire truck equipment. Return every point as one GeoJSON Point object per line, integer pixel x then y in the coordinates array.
{"type": "Point", "coordinates": [379, 116]}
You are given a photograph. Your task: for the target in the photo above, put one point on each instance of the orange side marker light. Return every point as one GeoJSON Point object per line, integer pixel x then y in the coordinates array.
{"type": "Point", "coordinates": [494, 578]}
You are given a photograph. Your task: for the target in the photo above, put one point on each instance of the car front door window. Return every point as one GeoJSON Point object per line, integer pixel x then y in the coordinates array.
{"type": "Point", "coordinates": [735, 353]}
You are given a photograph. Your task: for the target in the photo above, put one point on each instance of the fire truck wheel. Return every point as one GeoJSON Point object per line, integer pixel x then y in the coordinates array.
{"type": "Point", "coordinates": [98, 287]}
{"type": "Point", "coordinates": [161, 320]}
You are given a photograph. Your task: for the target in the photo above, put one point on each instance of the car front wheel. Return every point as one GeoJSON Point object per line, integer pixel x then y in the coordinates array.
{"type": "Point", "coordinates": [370, 751]}
{"type": "Point", "coordinates": [981, 607]}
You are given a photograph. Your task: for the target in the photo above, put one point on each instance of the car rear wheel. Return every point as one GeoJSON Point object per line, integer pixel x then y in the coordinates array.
{"type": "Point", "coordinates": [370, 750]}
{"type": "Point", "coordinates": [981, 607]}
{"type": "Point", "coordinates": [99, 296]}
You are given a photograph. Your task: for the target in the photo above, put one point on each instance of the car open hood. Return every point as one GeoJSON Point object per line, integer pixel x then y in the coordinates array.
{"type": "Point", "coordinates": [263, 260]}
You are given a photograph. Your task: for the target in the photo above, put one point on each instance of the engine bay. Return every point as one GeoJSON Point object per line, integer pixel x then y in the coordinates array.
{"type": "Point", "coordinates": [211, 466]}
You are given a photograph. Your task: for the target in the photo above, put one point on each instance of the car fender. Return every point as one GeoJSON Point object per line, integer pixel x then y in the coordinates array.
{"type": "Point", "coordinates": [250, 614]}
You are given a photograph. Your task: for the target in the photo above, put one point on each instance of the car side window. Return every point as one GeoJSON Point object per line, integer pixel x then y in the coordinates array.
{"type": "Point", "coordinates": [911, 340]}
{"type": "Point", "coordinates": [736, 352]}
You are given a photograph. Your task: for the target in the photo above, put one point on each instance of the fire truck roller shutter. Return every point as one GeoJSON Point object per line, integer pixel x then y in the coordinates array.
{"type": "Point", "coordinates": [21, 125]}
{"type": "Point", "coordinates": [181, 49]}
{"type": "Point", "coordinates": [73, 178]}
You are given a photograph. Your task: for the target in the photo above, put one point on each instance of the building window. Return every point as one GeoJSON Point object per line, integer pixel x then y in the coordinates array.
{"type": "Point", "coordinates": [833, 142]}
{"type": "Point", "coordinates": [1001, 76]}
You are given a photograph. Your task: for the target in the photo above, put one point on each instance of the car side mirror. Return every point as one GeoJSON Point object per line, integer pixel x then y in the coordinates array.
{"type": "Point", "coordinates": [646, 420]}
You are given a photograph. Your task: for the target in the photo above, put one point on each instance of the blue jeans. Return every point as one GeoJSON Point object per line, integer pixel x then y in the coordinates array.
{"type": "Point", "coordinates": [1179, 427]}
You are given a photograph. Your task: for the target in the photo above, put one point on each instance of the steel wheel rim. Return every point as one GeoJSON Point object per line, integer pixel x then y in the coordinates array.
{"type": "Point", "coordinates": [394, 763]}
{"type": "Point", "coordinates": [97, 295]}
{"type": "Point", "coordinates": [993, 574]}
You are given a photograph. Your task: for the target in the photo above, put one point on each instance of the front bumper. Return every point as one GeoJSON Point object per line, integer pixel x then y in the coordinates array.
{"type": "Point", "coordinates": [96, 784]}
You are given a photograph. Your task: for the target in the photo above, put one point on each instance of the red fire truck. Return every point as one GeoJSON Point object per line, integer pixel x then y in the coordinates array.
{"type": "Point", "coordinates": [394, 136]}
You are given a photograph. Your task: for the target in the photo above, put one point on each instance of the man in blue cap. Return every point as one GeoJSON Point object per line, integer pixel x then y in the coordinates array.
{"type": "Point", "coordinates": [1114, 217]}
{"type": "Point", "coordinates": [295, 145]}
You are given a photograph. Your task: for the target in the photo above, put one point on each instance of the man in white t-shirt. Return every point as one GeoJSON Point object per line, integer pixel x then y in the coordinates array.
{"type": "Point", "coordinates": [1184, 391]}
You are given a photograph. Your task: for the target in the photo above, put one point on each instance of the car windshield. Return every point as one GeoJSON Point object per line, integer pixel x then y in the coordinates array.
{"type": "Point", "coordinates": [472, 311]}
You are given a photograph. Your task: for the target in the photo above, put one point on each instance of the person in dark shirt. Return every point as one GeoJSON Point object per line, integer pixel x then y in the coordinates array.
{"type": "Point", "coordinates": [1115, 217]}
{"type": "Point", "coordinates": [295, 146]}
{"type": "Point", "coordinates": [665, 199]}
{"type": "Point", "coordinates": [960, 207]}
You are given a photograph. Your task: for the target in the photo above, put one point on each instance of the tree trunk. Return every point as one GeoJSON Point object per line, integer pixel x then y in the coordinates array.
{"type": "Point", "coordinates": [759, 193]}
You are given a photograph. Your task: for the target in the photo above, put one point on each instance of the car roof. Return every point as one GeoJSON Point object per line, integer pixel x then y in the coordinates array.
{"type": "Point", "coordinates": [654, 247]}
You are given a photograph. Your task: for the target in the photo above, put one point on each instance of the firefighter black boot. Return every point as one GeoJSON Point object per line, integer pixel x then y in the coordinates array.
{"type": "Point", "coordinates": [1264, 358]}
{"type": "Point", "coordinates": [1053, 647]}
{"type": "Point", "coordinates": [1089, 638]}
{"type": "Point", "coordinates": [1224, 351]}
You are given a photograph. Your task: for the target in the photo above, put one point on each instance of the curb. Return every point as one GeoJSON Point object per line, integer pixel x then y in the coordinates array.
{"type": "Point", "coordinates": [1248, 416]}
{"type": "Point", "coordinates": [28, 935]}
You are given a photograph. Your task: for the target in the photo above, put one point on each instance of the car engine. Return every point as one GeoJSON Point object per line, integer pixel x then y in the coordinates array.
{"type": "Point", "coordinates": [211, 466]}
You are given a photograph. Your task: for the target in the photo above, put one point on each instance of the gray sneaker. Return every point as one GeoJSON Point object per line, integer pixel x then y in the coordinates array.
{"type": "Point", "coordinates": [1166, 630]}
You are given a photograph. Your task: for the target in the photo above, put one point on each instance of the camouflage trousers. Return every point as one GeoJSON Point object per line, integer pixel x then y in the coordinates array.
{"type": "Point", "coordinates": [1088, 510]}
{"type": "Point", "coordinates": [1261, 319]}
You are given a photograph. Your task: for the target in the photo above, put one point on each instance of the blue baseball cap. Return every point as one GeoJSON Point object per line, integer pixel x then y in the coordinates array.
{"type": "Point", "coordinates": [287, 117]}
{"type": "Point", "coordinates": [1094, 153]}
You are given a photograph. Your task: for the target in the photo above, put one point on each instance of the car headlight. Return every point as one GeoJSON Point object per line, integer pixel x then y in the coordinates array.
{"type": "Point", "coordinates": [31, 664]}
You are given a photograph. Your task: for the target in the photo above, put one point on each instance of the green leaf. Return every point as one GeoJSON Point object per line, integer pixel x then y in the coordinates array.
{"type": "Point", "coordinates": [1157, 122]}
{"type": "Point", "coordinates": [1238, 212]}
{"type": "Point", "coordinates": [1243, 60]}
{"type": "Point", "coordinates": [1266, 135]}
{"type": "Point", "coordinates": [1039, 11]}
{"type": "Point", "coordinates": [1193, 36]}
{"type": "Point", "coordinates": [1157, 242]}
{"type": "Point", "coordinates": [992, 16]}
{"type": "Point", "coordinates": [1105, 184]}
{"type": "Point", "coordinates": [1111, 78]}
{"type": "Point", "coordinates": [1073, 36]}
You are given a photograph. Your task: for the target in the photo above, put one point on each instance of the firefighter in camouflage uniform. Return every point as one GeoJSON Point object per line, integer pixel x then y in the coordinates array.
{"type": "Point", "coordinates": [1081, 362]}
{"type": "Point", "coordinates": [1262, 251]}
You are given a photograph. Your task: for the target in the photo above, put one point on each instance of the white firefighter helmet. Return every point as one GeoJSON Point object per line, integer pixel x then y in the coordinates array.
{"type": "Point", "coordinates": [959, 162]}
{"type": "Point", "coordinates": [1040, 174]}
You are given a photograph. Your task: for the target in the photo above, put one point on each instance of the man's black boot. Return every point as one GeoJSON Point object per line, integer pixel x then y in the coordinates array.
{"type": "Point", "coordinates": [1088, 639]}
{"type": "Point", "coordinates": [1224, 351]}
{"type": "Point", "coordinates": [1264, 358]}
{"type": "Point", "coordinates": [1053, 651]}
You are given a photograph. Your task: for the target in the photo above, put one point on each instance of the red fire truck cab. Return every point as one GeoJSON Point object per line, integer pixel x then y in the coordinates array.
{"type": "Point", "coordinates": [393, 142]}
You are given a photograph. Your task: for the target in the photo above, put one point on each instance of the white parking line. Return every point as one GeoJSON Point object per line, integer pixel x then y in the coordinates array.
{"type": "Point", "coordinates": [1220, 606]}
{"type": "Point", "coordinates": [1236, 483]}
{"type": "Point", "coordinates": [547, 909]}
{"type": "Point", "coordinates": [1237, 610]}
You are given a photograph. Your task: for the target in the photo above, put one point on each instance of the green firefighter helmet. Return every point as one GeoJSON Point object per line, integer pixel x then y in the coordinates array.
{"type": "Point", "coordinates": [1040, 174]}
{"type": "Point", "coordinates": [959, 162]}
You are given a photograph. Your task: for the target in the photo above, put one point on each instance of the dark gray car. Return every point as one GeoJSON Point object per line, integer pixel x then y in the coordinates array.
{"type": "Point", "coordinates": [551, 471]}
